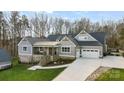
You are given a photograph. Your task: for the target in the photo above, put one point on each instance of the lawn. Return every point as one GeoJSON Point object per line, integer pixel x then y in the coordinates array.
{"type": "Point", "coordinates": [112, 75]}
{"type": "Point", "coordinates": [19, 72]}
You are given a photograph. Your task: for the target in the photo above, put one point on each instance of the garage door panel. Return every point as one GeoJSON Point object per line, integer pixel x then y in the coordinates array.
{"type": "Point", "coordinates": [90, 53]}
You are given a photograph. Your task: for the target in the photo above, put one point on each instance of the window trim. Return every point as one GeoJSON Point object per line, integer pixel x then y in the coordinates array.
{"type": "Point", "coordinates": [83, 37]}
{"type": "Point", "coordinates": [26, 49]}
{"type": "Point", "coordinates": [66, 47]}
{"type": "Point", "coordinates": [40, 49]}
{"type": "Point", "coordinates": [96, 50]}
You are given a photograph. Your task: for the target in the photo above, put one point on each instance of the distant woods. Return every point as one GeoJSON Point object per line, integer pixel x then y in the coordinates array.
{"type": "Point", "coordinates": [14, 27]}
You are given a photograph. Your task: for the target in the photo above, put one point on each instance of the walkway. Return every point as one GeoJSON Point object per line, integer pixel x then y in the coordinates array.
{"type": "Point", "coordinates": [49, 67]}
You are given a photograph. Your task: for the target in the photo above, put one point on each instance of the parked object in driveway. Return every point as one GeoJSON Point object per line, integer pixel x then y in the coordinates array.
{"type": "Point", "coordinates": [114, 50]}
{"type": "Point", "coordinates": [5, 59]}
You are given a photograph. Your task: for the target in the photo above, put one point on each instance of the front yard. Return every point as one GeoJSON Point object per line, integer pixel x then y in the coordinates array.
{"type": "Point", "coordinates": [19, 72]}
{"type": "Point", "coordinates": [112, 75]}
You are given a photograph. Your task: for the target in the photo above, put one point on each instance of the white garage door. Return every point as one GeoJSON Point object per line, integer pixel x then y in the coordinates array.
{"type": "Point", "coordinates": [90, 53]}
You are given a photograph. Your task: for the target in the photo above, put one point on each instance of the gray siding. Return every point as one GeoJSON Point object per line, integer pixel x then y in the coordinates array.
{"type": "Point", "coordinates": [25, 44]}
{"type": "Point", "coordinates": [105, 48]}
{"type": "Point", "coordinates": [69, 43]}
{"type": "Point", "coordinates": [25, 56]}
{"type": "Point", "coordinates": [89, 38]}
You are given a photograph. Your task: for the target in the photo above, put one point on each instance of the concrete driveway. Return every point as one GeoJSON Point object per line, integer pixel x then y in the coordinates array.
{"type": "Point", "coordinates": [81, 68]}
{"type": "Point", "coordinates": [113, 62]}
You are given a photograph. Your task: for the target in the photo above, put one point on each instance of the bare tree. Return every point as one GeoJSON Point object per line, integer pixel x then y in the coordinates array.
{"type": "Point", "coordinates": [40, 24]}
{"type": "Point", "coordinates": [15, 29]}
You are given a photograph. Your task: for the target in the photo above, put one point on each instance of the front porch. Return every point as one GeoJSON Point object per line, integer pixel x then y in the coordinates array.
{"type": "Point", "coordinates": [45, 52]}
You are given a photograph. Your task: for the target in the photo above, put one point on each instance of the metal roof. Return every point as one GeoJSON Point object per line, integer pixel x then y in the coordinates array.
{"type": "Point", "coordinates": [4, 56]}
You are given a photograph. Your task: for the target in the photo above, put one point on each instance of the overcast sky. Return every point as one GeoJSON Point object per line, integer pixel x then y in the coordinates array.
{"type": "Point", "coordinates": [92, 15]}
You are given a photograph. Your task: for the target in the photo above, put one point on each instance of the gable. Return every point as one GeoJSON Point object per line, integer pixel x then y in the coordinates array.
{"type": "Point", "coordinates": [24, 41]}
{"type": "Point", "coordinates": [84, 36]}
{"type": "Point", "coordinates": [66, 41]}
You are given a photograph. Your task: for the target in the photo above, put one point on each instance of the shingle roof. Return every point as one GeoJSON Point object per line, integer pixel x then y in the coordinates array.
{"type": "Point", "coordinates": [100, 36]}
{"type": "Point", "coordinates": [53, 37]}
{"type": "Point", "coordinates": [32, 40]}
{"type": "Point", "coordinates": [73, 40]}
{"type": "Point", "coordinates": [59, 36]}
{"type": "Point", "coordinates": [88, 43]}
{"type": "Point", "coordinates": [4, 56]}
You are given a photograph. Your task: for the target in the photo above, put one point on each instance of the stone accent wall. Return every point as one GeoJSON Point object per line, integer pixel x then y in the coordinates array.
{"type": "Point", "coordinates": [25, 58]}
{"type": "Point", "coordinates": [37, 58]}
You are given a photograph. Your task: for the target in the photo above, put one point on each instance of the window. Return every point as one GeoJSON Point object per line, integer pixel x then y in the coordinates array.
{"type": "Point", "coordinates": [83, 38]}
{"type": "Point", "coordinates": [24, 48]}
{"type": "Point", "coordinates": [66, 49]}
{"type": "Point", "coordinates": [96, 50]}
{"type": "Point", "coordinates": [41, 49]}
{"type": "Point", "coordinates": [92, 50]}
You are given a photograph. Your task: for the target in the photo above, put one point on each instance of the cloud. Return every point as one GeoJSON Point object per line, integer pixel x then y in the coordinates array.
{"type": "Point", "coordinates": [49, 11]}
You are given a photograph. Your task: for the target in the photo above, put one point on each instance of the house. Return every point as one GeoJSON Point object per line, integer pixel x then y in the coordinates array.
{"type": "Point", "coordinates": [5, 59]}
{"type": "Point", "coordinates": [83, 44]}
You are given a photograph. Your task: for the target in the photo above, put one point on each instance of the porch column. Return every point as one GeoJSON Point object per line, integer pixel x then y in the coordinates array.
{"type": "Point", "coordinates": [47, 50]}
{"type": "Point", "coordinates": [52, 51]}
{"type": "Point", "coordinates": [57, 51]}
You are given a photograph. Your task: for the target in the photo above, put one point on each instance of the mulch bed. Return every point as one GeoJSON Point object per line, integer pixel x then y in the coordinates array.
{"type": "Point", "coordinates": [97, 73]}
{"type": "Point", "coordinates": [59, 62]}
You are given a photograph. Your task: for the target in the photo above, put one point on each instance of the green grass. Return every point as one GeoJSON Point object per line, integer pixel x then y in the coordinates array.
{"type": "Point", "coordinates": [112, 75]}
{"type": "Point", "coordinates": [19, 72]}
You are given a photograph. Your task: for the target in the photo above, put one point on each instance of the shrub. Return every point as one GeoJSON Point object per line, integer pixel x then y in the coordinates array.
{"type": "Point", "coordinates": [111, 54]}
{"type": "Point", "coordinates": [117, 55]}
{"type": "Point", "coordinates": [117, 50]}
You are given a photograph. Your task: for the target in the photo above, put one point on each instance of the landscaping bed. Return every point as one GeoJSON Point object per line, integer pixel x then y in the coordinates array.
{"type": "Point", "coordinates": [19, 72]}
{"type": "Point", "coordinates": [60, 61]}
{"type": "Point", "coordinates": [97, 73]}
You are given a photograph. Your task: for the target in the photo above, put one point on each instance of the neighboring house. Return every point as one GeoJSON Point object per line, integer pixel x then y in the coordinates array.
{"type": "Point", "coordinates": [85, 45]}
{"type": "Point", "coordinates": [5, 59]}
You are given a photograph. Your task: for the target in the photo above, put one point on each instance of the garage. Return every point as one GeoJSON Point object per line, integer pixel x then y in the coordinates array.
{"type": "Point", "coordinates": [90, 53]}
